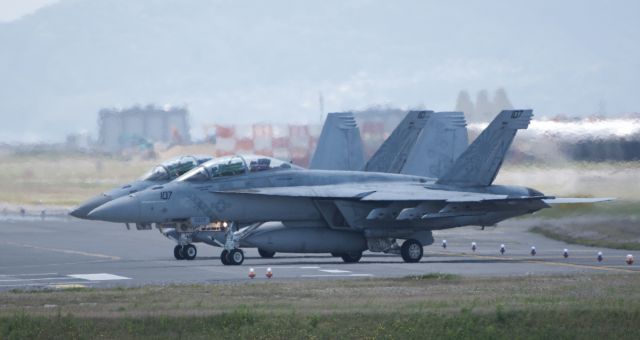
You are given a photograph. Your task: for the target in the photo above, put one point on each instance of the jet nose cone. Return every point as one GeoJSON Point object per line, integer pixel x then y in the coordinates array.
{"type": "Point", "coordinates": [123, 209]}
{"type": "Point", "coordinates": [83, 210]}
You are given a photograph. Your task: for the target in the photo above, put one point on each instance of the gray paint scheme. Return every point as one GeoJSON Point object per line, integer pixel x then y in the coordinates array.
{"type": "Point", "coordinates": [479, 164]}
{"type": "Point", "coordinates": [393, 153]}
{"type": "Point", "coordinates": [443, 139]}
{"type": "Point", "coordinates": [340, 145]}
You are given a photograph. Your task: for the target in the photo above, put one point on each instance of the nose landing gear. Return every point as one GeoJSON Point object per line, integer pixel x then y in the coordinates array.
{"type": "Point", "coordinates": [232, 255]}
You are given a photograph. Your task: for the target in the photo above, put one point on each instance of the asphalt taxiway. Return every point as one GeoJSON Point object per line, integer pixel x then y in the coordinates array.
{"type": "Point", "coordinates": [67, 252]}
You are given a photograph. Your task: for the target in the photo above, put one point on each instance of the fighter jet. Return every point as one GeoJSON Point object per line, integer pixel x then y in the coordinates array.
{"type": "Point", "coordinates": [352, 210]}
{"type": "Point", "coordinates": [160, 174]}
{"type": "Point", "coordinates": [340, 148]}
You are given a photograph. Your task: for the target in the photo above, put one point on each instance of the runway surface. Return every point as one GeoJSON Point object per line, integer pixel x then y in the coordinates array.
{"type": "Point", "coordinates": [66, 252]}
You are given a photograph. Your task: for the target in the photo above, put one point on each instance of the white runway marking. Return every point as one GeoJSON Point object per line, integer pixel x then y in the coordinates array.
{"type": "Point", "coordinates": [99, 277]}
{"type": "Point", "coordinates": [310, 267]}
{"type": "Point", "coordinates": [335, 271]}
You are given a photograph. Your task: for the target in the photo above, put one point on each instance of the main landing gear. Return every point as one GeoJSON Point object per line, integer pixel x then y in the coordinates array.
{"type": "Point", "coordinates": [186, 252]}
{"type": "Point", "coordinates": [411, 251]}
{"type": "Point", "coordinates": [235, 257]}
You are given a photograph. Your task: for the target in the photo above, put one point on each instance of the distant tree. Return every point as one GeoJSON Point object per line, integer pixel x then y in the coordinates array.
{"type": "Point", "coordinates": [501, 101]}
{"type": "Point", "coordinates": [483, 111]}
{"type": "Point", "coordinates": [464, 103]}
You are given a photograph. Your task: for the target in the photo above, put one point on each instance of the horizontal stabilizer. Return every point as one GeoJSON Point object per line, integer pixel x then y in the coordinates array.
{"type": "Point", "coordinates": [577, 200]}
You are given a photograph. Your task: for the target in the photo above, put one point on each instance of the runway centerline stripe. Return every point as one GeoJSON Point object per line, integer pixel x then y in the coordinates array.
{"type": "Point", "coordinates": [65, 251]}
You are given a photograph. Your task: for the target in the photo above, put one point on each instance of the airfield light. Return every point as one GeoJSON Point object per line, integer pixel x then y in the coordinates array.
{"type": "Point", "coordinates": [269, 273]}
{"type": "Point", "coordinates": [502, 249]}
{"type": "Point", "coordinates": [533, 250]}
{"type": "Point", "coordinates": [599, 256]}
{"type": "Point", "coordinates": [444, 244]}
{"type": "Point", "coordinates": [565, 253]}
{"type": "Point", "coordinates": [474, 246]}
{"type": "Point", "coordinates": [629, 259]}
{"type": "Point", "coordinates": [252, 273]}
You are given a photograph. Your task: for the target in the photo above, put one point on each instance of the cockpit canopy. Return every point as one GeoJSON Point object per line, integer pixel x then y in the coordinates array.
{"type": "Point", "coordinates": [233, 166]}
{"type": "Point", "coordinates": [174, 168]}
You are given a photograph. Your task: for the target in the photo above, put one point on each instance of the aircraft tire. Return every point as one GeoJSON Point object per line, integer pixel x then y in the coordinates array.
{"type": "Point", "coordinates": [235, 257]}
{"type": "Point", "coordinates": [266, 254]}
{"type": "Point", "coordinates": [177, 252]}
{"type": "Point", "coordinates": [336, 255]}
{"type": "Point", "coordinates": [189, 251]}
{"type": "Point", "coordinates": [351, 257]}
{"type": "Point", "coordinates": [223, 257]}
{"type": "Point", "coordinates": [411, 251]}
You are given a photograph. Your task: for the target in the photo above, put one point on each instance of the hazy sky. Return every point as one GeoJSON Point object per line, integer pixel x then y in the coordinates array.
{"type": "Point", "coordinates": [13, 9]}
{"type": "Point", "coordinates": [249, 61]}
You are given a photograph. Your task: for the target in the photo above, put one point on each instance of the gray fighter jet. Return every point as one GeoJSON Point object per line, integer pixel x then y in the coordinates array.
{"type": "Point", "coordinates": [339, 148]}
{"type": "Point", "coordinates": [341, 212]}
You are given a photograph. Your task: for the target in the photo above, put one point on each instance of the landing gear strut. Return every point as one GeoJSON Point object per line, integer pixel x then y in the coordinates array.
{"type": "Point", "coordinates": [411, 251]}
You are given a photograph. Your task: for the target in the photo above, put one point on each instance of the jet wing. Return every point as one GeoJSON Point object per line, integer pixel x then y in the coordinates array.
{"type": "Point", "coordinates": [371, 193]}
{"type": "Point", "coordinates": [319, 191]}
{"type": "Point", "coordinates": [577, 200]}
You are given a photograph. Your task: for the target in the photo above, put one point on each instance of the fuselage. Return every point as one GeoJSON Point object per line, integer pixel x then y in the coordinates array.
{"type": "Point", "coordinates": [238, 198]}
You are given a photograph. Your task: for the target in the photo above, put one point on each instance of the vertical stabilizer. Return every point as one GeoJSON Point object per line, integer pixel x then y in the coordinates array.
{"type": "Point", "coordinates": [479, 164]}
{"type": "Point", "coordinates": [393, 153]}
{"type": "Point", "coordinates": [340, 144]}
{"type": "Point", "coordinates": [443, 139]}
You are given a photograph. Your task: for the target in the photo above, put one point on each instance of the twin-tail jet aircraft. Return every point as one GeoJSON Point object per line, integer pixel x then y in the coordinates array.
{"type": "Point", "coordinates": [340, 212]}
{"type": "Point", "coordinates": [440, 136]}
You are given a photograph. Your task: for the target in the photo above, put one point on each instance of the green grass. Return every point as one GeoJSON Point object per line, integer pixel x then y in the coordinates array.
{"type": "Point", "coordinates": [423, 306]}
{"type": "Point", "coordinates": [246, 324]}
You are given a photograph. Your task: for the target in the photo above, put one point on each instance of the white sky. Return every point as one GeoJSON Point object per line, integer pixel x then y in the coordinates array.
{"type": "Point", "coordinates": [14, 9]}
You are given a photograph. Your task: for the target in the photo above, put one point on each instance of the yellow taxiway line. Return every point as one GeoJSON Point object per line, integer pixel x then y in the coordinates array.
{"type": "Point", "coordinates": [57, 250]}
